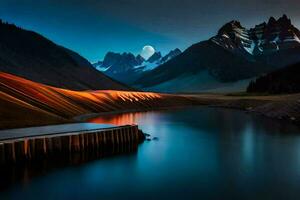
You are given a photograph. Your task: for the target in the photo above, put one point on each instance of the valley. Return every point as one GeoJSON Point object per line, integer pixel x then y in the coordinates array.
{"type": "Point", "coordinates": [25, 103]}
{"type": "Point", "coordinates": [219, 119]}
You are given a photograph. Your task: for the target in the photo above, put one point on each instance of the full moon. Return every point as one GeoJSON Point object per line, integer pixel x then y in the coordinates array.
{"type": "Point", "coordinates": [147, 51]}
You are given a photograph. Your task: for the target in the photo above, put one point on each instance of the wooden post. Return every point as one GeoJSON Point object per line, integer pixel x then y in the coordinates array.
{"type": "Point", "coordinates": [2, 153]}
{"type": "Point", "coordinates": [10, 151]}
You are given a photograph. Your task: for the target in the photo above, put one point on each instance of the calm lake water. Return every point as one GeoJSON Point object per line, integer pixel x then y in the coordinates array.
{"type": "Point", "coordinates": [201, 153]}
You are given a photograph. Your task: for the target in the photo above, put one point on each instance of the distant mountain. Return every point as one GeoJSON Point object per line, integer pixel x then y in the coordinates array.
{"type": "Point", "coordinates": [30, 55]}
{"type": "Point", "coordinates": [285, 80]}
{"type": "Point", "coordinates": [155, 57]}
{"type": "Point", "coordinates": [170, 55]}
{"type": "Point", "coordinates": [127, 68]}
{"type": "Point", "coordinates": [230, 59]}
{"type": "Point", "coordinates": [115, 63]}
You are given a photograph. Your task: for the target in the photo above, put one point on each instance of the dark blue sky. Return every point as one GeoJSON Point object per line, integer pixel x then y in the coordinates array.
{"type": "Point", "coordinates": [93, 27]}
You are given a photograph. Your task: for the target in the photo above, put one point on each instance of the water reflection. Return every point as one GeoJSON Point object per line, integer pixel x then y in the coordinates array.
{"type": "Point", "coordinates": [121, 119]}
{"type": "Point", "coordinates": [23, 172]}
{"type": "Point", "coordinates": [202, 153]}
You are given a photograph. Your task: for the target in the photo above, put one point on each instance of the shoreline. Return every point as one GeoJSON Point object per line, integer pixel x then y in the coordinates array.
{"type": "Point", "coordinates": [85, 117]}
{"type": "Point", "coordinates": [21, 108]}
{"type": "Point", "coordinates": [279, 107]}
{"type": "Point", "coordinates": [274, 109]}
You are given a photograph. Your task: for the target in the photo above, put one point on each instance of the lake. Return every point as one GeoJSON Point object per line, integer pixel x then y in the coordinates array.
{"type": "Point", "coordinates": [200, 153]}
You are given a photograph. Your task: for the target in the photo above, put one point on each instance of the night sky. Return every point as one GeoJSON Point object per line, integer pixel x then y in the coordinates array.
{"type": "Point", "coordinates": [93, 27]}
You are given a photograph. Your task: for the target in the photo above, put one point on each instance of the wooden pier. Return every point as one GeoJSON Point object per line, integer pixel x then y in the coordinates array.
{"type": "Point", "coordinates": [67, 143]}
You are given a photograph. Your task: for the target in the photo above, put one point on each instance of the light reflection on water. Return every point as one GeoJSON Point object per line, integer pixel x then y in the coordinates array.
{"type": "Point", "coordinates": [121, 119]}
{"type": "Point", "coordinates": [202, 153]}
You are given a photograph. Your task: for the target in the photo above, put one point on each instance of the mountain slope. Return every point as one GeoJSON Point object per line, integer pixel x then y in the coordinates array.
{"type": "Point", "coordinates": [26, 103]}
{"type": "Point", "coordinates": [285, 80]}
{"type": "Point", "coordinates": [205, 57]}
{"type": "Point", "coordinates": [30, 55]}
{"type": "Point", "coordinates": [233, 55]}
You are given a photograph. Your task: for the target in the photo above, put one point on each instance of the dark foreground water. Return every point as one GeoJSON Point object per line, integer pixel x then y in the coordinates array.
{"type": "Point", "coordinates": [201, 153]}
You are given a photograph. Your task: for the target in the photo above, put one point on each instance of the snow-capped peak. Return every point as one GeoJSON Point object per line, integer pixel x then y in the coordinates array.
{"type": "Point", "coordinates": [114, 63]}
{"type": "Point", "coordinates": [263, 38]}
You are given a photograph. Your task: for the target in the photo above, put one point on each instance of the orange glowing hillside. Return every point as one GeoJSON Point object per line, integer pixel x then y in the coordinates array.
{"type": "Point", "coordinates": [26, 103]}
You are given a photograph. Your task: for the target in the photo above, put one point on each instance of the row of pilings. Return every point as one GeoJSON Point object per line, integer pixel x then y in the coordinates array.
{"type": "Point", "coordinates": [73, 146]}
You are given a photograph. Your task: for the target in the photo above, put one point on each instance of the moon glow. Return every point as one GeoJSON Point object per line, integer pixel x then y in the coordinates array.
{"type": "Point", "coordinates": [147, 51]}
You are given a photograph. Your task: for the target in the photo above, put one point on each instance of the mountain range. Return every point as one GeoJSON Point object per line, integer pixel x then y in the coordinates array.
{"type": "Point", "coordinates": [229, 60]}
{"type": "Point", "coordinates": [127, 67]}
{"type": "Point", "coordinates": [226, 62]}
{"type": "Point", "coordinates": [28, 54]}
